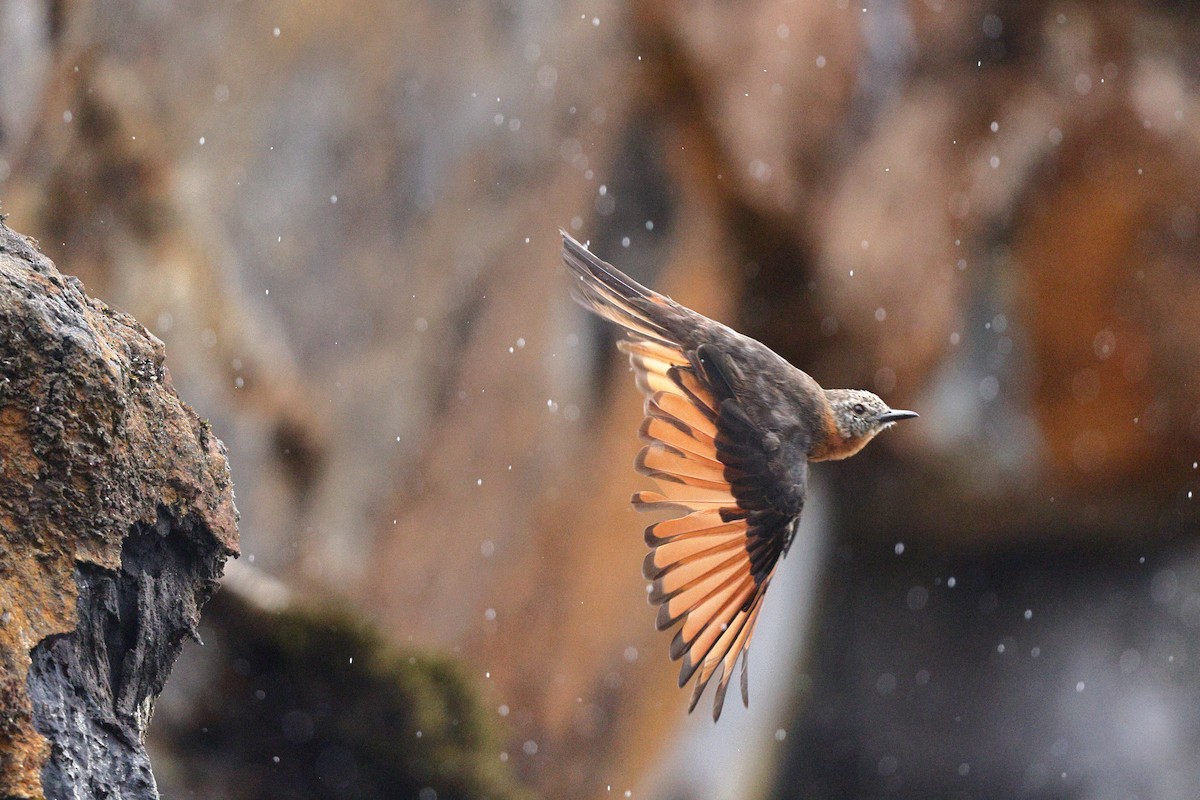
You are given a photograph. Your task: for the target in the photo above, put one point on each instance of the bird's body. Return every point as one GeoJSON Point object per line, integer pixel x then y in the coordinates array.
{"type": "Point", "coordinates": [730, 428]}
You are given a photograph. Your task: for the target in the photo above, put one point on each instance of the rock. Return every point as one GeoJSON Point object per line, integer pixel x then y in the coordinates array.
{"type": "Point", "coordinates": [301, 700]}
{"type": "Point", "coordinates": [116, 518]}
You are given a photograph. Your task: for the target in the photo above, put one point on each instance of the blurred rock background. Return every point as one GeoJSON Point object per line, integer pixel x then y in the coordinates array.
{"type": "Point", "coordinates": [342, 220]}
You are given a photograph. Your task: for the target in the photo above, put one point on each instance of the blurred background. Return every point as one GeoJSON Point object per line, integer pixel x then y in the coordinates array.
{"type": "Point", "coordinates": [342, 220]}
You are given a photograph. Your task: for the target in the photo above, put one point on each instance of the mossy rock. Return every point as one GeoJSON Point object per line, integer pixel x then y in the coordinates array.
{"type": "Point", "coordinates": [314, 704]}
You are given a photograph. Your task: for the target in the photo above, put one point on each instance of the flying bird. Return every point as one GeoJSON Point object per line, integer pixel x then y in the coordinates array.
{"type": "Point", "coordinates": [730, 428]}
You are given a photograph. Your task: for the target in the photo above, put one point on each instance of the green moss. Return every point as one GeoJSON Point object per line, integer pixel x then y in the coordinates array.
{"type": "Point", "coordinates": [314, 704]}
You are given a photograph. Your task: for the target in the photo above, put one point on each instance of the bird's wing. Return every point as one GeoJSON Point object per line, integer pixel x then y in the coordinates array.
{"type": "Point", "coordinates": [736, 490]}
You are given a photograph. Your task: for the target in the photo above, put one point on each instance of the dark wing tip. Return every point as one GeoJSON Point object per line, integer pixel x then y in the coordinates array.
{"type": "Point", "coordinates": [573, 248]}
{"type": "Point", "coordinates": [745, 679]}
{"type": "Point", "coordinates": [591, 267]}
{"type": "Point", "coordinates": [719, 700]}
{"type": "Point", "coordinates": [651, 570]}
{"type": "Point", "coordinates": [570, 243]}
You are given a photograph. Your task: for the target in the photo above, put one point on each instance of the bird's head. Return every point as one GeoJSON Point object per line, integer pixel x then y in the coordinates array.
{"type": "Point", "coordinates": [857, 416]}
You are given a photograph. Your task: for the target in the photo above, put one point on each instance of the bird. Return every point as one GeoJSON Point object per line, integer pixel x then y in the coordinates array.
{"type": "Point", "coordinates": [729, 430]}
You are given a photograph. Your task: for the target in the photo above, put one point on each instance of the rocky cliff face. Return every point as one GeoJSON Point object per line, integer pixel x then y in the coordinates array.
{"type": "Point", "coordinates": [116, 517]}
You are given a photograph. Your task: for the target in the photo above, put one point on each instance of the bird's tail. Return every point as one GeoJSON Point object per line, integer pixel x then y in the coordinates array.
{"type": "Point", "coordinates": [610, 293]}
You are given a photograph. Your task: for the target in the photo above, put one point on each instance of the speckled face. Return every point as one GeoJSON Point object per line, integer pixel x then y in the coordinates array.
{"type": "Point", "coordinates": [858, 413]}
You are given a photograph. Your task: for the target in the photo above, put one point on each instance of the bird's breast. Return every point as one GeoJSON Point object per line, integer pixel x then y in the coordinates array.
{"type": "Point", "coordinates": [837, 447]}
{"type": "Point", "coordinates": [830, 445]}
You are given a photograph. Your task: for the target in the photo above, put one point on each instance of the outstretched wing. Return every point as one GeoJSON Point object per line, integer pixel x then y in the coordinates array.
{"type": "Point", "coordinates": [736, 490]}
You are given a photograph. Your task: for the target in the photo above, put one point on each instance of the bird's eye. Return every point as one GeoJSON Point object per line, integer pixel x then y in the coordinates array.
{"type": "Point", "coordinates": [859, 409]}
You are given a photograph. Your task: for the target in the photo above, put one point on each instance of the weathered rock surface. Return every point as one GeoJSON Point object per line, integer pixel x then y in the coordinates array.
{"type": "Point", "coordinates": [116, 518]}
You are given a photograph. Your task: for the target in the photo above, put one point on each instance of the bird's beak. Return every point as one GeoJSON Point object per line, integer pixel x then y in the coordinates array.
{"type": "Point", "coordinates": [895, 416]}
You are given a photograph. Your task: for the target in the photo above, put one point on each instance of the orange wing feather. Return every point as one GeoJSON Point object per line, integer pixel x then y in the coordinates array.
{"type": "Point", "coordinates": [699, 562]}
